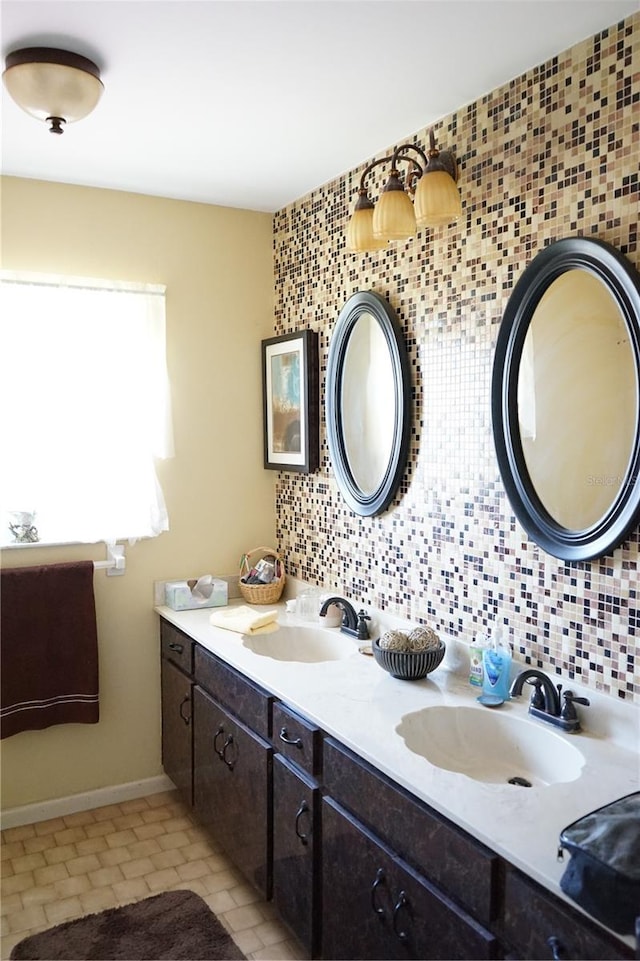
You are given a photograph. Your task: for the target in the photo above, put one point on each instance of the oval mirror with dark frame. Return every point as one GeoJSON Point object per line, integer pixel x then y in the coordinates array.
{"type": "Point", "coordinates": [368, 403]}
{"type": "Point", "coordinates": [565, 399]}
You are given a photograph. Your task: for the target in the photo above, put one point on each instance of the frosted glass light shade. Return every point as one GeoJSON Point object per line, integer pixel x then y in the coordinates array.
{"type": "Point", "coordinates": [437, 200]}
{"type": "Point", "coordinates": [48, 83]}
{"type": "Point", "coordinates": [360, 237]}
{"type": "Point", "coordinates": [394, 218]}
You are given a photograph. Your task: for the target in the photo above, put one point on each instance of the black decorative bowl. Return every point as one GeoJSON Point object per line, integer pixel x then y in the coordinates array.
{"type": "Point", "coordinates": [408, 665]}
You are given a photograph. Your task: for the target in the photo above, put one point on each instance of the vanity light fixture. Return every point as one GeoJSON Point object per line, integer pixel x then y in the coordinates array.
{"type": "Point", "coordinates": [53, 85]}
{"type": "Point", "coordinates": [431, 180]}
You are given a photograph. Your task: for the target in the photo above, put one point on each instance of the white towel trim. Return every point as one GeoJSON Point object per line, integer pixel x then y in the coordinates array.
{"type": "Point", "coordinates": [43, 704]}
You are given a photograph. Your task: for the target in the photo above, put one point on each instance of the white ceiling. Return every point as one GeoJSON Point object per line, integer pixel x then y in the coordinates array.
{"type": "Point", "coordinates": [252, 103]}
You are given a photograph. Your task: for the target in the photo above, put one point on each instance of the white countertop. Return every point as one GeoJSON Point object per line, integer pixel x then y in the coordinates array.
{"type": "Point", "coordinates": [358, 703]}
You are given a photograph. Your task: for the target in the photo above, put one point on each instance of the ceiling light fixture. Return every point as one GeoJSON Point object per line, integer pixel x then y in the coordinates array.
{"type": "Point", "coordinates": [53, 85]}
{"type": "Point", "coordinates": [431, 180]}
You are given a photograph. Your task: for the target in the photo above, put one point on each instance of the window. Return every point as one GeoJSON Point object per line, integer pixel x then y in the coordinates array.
{"type": "Point", "coordinates": [85, 407]}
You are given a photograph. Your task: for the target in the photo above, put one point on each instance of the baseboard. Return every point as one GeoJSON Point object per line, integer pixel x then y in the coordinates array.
{"type": "Point", "coordinates": [59, 807]}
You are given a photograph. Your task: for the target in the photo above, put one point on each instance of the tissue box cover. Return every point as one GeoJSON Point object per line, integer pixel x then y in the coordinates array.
{"type": "Point", "coordinates": [178, 596]}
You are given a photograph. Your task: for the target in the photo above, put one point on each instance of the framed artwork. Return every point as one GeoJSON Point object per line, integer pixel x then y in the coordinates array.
{"type": "Point", "coordinates": [290, 402]}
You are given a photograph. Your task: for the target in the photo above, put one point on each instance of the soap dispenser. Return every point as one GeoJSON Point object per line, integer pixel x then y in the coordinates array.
{"type": "Point", "coordinates": [497, 667]}
{"type": "Point", "coordinates": [476, 653]}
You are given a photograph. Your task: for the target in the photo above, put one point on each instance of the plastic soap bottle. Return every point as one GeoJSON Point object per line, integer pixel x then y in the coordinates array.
{"type": "Point", "coordinates": [497, 667]}
{"type": "Point", "coordinates": [476, 651]}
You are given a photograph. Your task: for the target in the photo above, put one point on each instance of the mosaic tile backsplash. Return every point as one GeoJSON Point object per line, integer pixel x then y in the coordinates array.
{"type": "Point", "coordinates": [555, 153]}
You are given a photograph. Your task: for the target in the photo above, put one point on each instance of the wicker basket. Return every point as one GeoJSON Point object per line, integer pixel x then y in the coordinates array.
{"type": "Point", "coordinates": [261, 593]}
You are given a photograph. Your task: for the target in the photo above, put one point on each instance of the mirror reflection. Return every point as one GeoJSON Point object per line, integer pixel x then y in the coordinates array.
{"type": "Point", "coordinates": [368, 404]}
{"type": "Point", "coordinates": [565, 398]}
{"type": "Point", "coordinates": [577, 400]}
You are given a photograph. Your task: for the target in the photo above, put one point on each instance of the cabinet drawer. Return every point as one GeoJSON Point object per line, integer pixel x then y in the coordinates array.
{"type": "Point", "coordinates": [441, 852]}
{"type": "Point", "coordinates": [243, 698]}
{"type": "Point", "coordinates": [296, 738]}
{"type": "Point", "coordinates": [533, 916]}
{"type": "Point", "coordinates": [176, 647]}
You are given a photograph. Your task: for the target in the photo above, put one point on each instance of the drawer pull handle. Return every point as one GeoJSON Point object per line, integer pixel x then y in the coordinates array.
{"type": "Point", "coordinates": [178, 648]}
{"type": "Point", "coordinates": [185, 717]}
{"type": "Point", "coordinates": [303, 809]}
{"type": "Point", "coordinates": [558, 951]}
{"type": "Point", "coordinates": [227, 744]}
{"type": "Point", "coordinates": [219, 751]}
{"type": "Point", "coordinates": [380, 879]}
{"type": "Point", "coordinates": [294, 742]}
{"type": "Point", "coordinates": [402, 903]}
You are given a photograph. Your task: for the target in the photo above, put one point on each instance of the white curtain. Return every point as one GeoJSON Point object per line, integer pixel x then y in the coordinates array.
{"type": "Point", "coordinates": [85, 403]}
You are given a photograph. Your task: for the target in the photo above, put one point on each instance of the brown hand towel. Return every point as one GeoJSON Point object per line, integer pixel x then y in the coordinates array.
{"type": "Point", "coordinates": [49, 647]}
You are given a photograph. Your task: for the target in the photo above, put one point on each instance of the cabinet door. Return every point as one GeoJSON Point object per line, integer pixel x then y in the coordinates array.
{"type": "Point", "coordinates": [296, 810]}
{"type": "Point", "coordinates": [233, 788]}
{"type": "Point", "coordinates": [448, 857]}
{"type": "Point", "coordinates": [538, 925]}
{"type": "Point", "coordinates": [177, 728]}
{"type": "Point", "coordinates": [375, 906]}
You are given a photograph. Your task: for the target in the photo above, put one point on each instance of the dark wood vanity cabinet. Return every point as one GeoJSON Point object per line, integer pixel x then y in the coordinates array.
{"type": "Point", "coordinates": [296, 851]}
{"type": "Point", "coordinates": [357, 866]}
{"type": "Point", "coordinates": [537, 925]}
{"type": "Point", "coordinates": [215, 725]}
{"type": "Point", "coordinates": [413, 885]}
{"type": "Point", "coordinates": [374, 905]}
{"type": "Point", "coordinates": [296, 824]}
{"type": "Point", "coordinates": [177, 728]}
{"type": "Point", "coordinates": [232, 788]}
{"type": "Point", "coordinates": [233, 765]}
{"type": "Point", "coordinates": [456, 863]}
{"type": "Point", "coordinates": [176, 680]}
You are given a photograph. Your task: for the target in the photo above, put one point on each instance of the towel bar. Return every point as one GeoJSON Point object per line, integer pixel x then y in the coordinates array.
{"type": "Point", "coordinates": [116, 562]}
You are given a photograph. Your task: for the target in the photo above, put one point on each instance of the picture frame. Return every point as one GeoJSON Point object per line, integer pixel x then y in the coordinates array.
{"type": "Point", "coordinates": [291, 410]}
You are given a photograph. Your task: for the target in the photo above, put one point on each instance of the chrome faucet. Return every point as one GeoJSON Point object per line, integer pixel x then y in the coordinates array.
{"type": "Point", "coordinates": [352, 623]}
{"type": "Point", "coordinates": [545, 700]}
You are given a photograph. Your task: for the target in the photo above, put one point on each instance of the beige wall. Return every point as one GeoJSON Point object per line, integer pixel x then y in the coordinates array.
{"type": "Point", "coordinates": [217, 266]}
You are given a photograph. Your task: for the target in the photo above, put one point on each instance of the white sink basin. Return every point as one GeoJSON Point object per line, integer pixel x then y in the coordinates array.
{"type": "Point", "coordinates": [491, 747]}
{"type": "Point", "coordinates": [305, 645]}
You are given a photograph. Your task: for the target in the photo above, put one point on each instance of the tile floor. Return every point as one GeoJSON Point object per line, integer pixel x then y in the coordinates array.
{"type": "Point", "coordinates": [57, 870]}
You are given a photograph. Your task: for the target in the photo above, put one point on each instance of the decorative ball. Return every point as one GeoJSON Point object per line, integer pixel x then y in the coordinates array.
{"type": "Point", "coordinates": [422, 639]}
{"type": "Point", "coordinates": [394, 641]}
{"type": "Point", "coordinates": [408, 665]}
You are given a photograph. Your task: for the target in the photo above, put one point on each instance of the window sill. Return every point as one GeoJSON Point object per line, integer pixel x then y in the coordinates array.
{"type": "Point", "coordinates": [13, 545]}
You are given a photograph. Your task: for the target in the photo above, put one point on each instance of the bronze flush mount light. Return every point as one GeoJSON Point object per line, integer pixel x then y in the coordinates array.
{"type": "Point", "coordinates": [53, 85]}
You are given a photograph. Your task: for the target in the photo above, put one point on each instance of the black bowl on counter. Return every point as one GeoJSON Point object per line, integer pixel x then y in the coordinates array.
{"type": "Point", "coordinates": [408, 665]}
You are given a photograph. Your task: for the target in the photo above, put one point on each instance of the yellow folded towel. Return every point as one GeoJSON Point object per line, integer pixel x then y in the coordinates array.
{"type": "Point", "coordinates": [244, 621]}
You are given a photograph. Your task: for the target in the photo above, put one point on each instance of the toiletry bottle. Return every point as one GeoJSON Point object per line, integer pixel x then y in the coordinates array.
{"type": "Point", "coordinates": [476, 650]}
{"type": "Point", "coordinates": [497, 667]}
